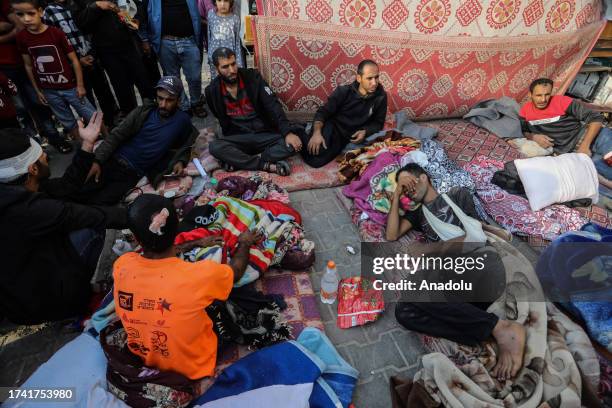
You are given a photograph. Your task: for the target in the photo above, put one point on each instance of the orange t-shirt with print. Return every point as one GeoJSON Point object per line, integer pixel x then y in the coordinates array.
{"type": "Point", "coordinates": [161, 304]}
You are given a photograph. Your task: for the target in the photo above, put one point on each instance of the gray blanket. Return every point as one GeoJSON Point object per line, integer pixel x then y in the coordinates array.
{"type": "Point", "coordinates": [498, 116]}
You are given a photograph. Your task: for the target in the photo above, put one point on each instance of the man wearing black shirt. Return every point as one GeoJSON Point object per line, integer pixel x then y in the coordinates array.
{"type": "Point", "coordinates": [51, 244]}
{"type": "Point", "coordinates": [352, 113]}
{"type": "Point", "coordinates": [115, 43]}
{"type": "Point", "coordinates": [256, 132]}
{"type": "Point", "coordinates": [172, 29]}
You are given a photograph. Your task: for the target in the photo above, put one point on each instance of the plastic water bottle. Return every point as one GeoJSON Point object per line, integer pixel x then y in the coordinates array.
{"type": "Point", "coordinates": [202, 183]}
{"type": "Point", "coordinates": [329, 283]}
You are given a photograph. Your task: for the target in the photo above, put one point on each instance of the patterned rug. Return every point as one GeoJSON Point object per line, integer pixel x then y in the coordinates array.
{"type": "Point", "coordinates": [464, 142]}
{"type": "Point", "coordinates": [304, 58]}
{"type": "Point", "coordinates": [303, 177]}
{"type": "Point", "coordinates": [301, 311]}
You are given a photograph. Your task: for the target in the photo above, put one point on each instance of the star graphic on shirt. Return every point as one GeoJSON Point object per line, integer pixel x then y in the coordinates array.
{"type": "Point", "coordinates": [163, 304]}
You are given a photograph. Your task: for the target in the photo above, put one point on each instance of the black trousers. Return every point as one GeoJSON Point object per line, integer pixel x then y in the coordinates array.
{"type": "Point", "coordinates": [249, 151]}
{"type": "Point", "coordinates": [335, 144]}
{"type": "Point", "coordinates": [97, 84]}
{"type": "Point", "coordinates": [464, 323]}
{"type": "Point", "coordinates": [126, 69]}
{"type": "Point", "coordinates": [116, 181]}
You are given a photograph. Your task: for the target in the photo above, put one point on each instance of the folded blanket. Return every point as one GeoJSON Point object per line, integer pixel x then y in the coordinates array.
{"type": "Point", "coordinates": [498, 116]}
{"type": "Point", "coordinates": [557, 352]}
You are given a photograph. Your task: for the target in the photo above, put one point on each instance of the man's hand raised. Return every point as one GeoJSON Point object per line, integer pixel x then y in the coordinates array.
{"type": "Point", "coordinates": [89, 134]}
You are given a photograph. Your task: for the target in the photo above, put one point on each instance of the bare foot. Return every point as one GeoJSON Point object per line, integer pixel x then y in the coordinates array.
{"type": "Point", "coordinates": [510, 337]}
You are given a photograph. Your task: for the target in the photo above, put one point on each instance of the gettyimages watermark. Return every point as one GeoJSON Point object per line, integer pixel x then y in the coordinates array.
{"type": "Point", "coordinates": [472, 272]}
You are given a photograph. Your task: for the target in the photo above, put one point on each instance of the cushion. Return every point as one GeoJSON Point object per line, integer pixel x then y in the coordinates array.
{"type": "Point", "coordinates": [558, 179]}
{"type": "Point", "coordinates": [529, 148]}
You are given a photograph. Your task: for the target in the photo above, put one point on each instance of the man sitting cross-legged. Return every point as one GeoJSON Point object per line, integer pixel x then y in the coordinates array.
{"type": "Point", "coordinates": [256, 132]}
{"type": "Point", "coordinates": [464, 323]}
{"type": "Point", "coordinates": [351, 113]}
{"type": "Point", "coordinates": [153, 140]}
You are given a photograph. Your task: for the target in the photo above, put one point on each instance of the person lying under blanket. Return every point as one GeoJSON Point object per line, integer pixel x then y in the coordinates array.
{"type": "Point", "coordinates": [161, 298]}
{"type": "Point", "coordinates": [451, 217]}
{"type": "Point", "coordinates": [566, 125]}
{"type": "Point", "coordinates": [227, 217]}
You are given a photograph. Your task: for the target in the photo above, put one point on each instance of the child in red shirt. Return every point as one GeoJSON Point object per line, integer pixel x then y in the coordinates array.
{"type": "Point", "coordinates": [47, 56]}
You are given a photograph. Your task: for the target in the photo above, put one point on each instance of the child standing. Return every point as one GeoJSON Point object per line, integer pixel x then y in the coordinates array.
{"type": "Point", "coordinates": [223, 31]}
{"type": "Point", "coordinates": [47, 57]}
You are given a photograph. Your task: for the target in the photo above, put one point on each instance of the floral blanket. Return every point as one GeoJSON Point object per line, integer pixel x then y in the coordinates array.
{"type": "Point", "coordinates": [556, 352]}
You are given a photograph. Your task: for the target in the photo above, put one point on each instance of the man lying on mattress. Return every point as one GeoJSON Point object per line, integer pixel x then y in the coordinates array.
{"type": "Point", "coordinates": [566, 125]}
{"type": "Point", "coordinates": [161, 298]}
{"type": "Point", "coordinates": [451, 217]}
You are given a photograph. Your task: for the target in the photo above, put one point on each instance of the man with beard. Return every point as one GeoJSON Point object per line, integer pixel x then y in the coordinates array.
{"type": "Point", "coordinates": [51, 245]}
{"type": "Point", "coordinates": [256, 132]}
{"type": "Point", "coordinates": [153, 140]}
{"type": "Point", "coordinates": [352, 113]}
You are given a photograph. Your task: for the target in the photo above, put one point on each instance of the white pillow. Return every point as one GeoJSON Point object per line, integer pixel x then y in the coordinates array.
{"type": "Point", "coordinates": [558, 179]}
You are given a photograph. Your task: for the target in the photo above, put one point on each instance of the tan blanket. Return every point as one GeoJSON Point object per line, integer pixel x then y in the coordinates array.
{"type": "Point", "coordinates": [556, 349]}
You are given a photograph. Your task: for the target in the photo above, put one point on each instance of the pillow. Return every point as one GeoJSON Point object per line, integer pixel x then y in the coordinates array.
{"type": "Point", "coordinates": [529, 148]}
{"type": "Point", "coordinates": [558, 179]}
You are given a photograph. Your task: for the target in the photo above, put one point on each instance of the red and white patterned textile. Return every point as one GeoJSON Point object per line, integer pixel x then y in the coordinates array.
{"type": "Point", "coordinates": [436, 62]}
{"type": "Point", "coordinates": [476, 18]}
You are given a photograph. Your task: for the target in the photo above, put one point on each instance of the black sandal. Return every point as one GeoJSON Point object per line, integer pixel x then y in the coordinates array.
{"type": "Point", "coordinates": [63, 146]}
{"type": "Point", "coordinates": [282, 168]}
{"type": "Point", "coordinates": [228, 167]}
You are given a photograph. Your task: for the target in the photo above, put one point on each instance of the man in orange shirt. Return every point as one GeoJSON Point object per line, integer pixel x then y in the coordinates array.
{"type": "Point", "coordinates": [161, 298]}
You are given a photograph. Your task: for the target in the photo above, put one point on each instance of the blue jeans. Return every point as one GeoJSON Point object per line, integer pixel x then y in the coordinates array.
{"type": "Point", "coordinates": [88, 244]}
{"type": "Point", "coordinates": [184, 53]}
{"type": "Point", "coordinates": [60, 101]}
{"type": "Point", "coordinates": [600, 147]}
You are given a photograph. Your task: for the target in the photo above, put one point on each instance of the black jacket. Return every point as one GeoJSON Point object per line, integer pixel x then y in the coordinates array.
{"type": "Point", "coordinates": [350, 112]}
{"type": "Point", "coordinates": [104, 26]}
{"type": "Point", "coordinates": [42, 276]}
{"type": "Point", "coordinates": [266, 105]}
{"type": "Point", "coordinates": [130, 126]}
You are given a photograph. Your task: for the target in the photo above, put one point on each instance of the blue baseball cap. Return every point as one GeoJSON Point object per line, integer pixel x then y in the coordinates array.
{"type": "Point", "coordinates": [172, 84]}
